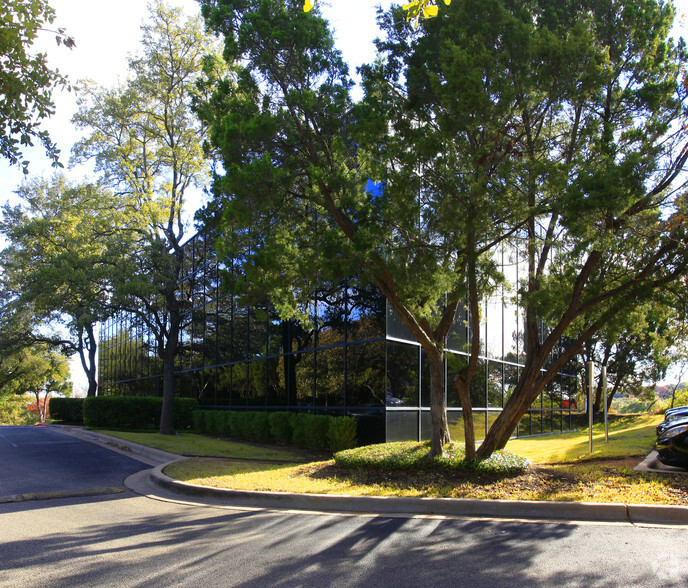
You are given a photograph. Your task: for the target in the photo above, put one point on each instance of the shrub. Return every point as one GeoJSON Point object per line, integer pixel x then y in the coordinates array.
{"type": "Point", "coordinates": [259, 427]}
{"type": "Point", "coordinates": [405, 455]}
{"type": "Point", "coordinates": [216, 422]}
{"type": "Point", "coordinates": [235, 424]}
{"type": "Point", "coordinates": [134, 412]}
{"type": "Point", "coordinates": [281, 426]}
{"type": "Point", "coordinates": [310, 430]}
{"type": "Point", "coordinates": [341, 433]}
{"type": "Point", "coordinates": [199, 420]}
{"type": "Point", "coordinates": [305, 430]}
{"type": "Point", "coordinates": [68, 411]}
{"type": "Point", "coordinates": [182, 412]}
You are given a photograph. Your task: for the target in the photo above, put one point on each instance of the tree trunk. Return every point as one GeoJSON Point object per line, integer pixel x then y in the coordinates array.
{"type": "Point", "coordinates": [89, 364]}
{"type": "Point", "coordinates": [168, 357]}
{"type": "Point", "coordinates": [166, 414]}
{"type": "Point", "coordinates": [438, 405]}
{"type": "Point", "coordinates": [518, 404]}
{"type": "Point", "coordinates": [41, 416]}
{"type": "Point", "coordinates": [463, 388]}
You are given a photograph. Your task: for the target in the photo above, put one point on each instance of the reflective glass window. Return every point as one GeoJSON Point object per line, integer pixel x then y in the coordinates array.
{"type": "Point", "coordinates": [402, 426]}
{"type": "Point", "coordinates": [329, 381]}
{"type": "Point", "coordinates": [402, 374]}
{"type": "Point", "coordinates": [365, 374]}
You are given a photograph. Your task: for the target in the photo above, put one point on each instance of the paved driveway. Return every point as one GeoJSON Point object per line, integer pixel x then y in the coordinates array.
{"type": "Point", "coordinates": [39, 460]}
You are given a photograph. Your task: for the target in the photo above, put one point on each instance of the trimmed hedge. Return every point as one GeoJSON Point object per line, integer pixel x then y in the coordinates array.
{"type": "Point", "coordinates": [67, 411]}
{"type": "Point", "coordinates": [308, 431]}
{"type": "Point", "coordinates": [135, 412]}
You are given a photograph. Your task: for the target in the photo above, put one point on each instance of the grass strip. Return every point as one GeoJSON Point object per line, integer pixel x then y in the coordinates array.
{"type": "Point", "coordinates": [628, 437]}
{"type": "Point", "coordinates": [192, 444]}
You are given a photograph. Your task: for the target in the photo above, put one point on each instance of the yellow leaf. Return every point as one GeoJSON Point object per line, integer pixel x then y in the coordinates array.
{"type": "Point", "coordinates": [447, 2]}
{"type": "Point", "coordinates": [308, 4]}
{"type": "Point", "coordinates": [429, 11]}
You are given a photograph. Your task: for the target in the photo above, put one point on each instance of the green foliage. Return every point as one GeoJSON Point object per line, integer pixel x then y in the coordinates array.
{"type": "Point", "coordinates": [282, 426]}
{"type": "Point", "coordinates": [237, 425]}
{"type": "Point", "coordinates": [61, 258]}
{"type": "Point", "coordinates": [146, 142]}
{"type": "Point", "coordinates": [634, 405]}
{"type": "Point", "coordinates": [304, 430]}
{"type": "Point", "coordinates": [199, 420]}
{"type": "Point", "coordinates": [35, 369]}
{"type": "Point", "coordinates": [26, 81]}
{"type": "Point", "coordinates": [13, 411]}
{"type": "Point", "coordinates": [341, 433]}
{"type": "Point", "coordinates": [408, 455]}
{"type": "Point", "coordinates": [310, 431]}
{"type": "Point", "coordinates": [259, 426]}
{"type": "Point", "coordinates": [67, 411]}
{"type": "Point", "coordinates": [134, 412]}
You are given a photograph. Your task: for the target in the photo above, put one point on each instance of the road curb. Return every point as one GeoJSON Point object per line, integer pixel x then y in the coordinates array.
{"type": "Point", "coordinates": [78, 493]}
{"type": "Point", "coordinates": [511, 509]}
{"type": "Point", "coordinates": [148, 455]}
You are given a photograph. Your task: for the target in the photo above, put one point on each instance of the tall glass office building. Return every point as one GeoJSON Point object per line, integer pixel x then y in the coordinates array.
{"type": "Point", "coordinates": [356, 358]}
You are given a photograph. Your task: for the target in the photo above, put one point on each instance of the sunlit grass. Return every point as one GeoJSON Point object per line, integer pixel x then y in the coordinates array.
{"type": "Point", "coordinates": [275, 478]}
{"type": "Point", "coordinates": [628, 437]}
{"type": "Point", "coordinates": [584, 483]}
{"type": "Point", "coordinates": [572, 476]}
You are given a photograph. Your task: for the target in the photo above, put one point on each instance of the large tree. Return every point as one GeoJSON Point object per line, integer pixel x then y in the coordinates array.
{"type": "Point", "coordinates": [147, 144]}
{"type": "Point", "coordinates": [435, 130]}
{"type": "Point", "coordinates": [26, 81]}
{"type": "Point", "coordinates": [609, 231]}
{"type": "Point", "coordinates": [44, 371]}
{"type": "Point", "coordinates": [558, 130]}
{"type": "Point", "coordinates": [64, 248]}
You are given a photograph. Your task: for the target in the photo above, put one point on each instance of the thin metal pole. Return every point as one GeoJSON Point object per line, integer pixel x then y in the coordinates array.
{"type": "Point", "coordinates": [591, 378]}
{"type": "Point", "coordinates": [604, 401]}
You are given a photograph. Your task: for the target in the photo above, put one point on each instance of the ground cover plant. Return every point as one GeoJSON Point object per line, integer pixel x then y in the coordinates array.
{"type": "Point", "coordinates": [560, 470]}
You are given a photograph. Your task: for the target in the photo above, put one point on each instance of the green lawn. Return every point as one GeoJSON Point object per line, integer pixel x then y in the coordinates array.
{"type": "Point", "coordinates": [628, 437]}
{"type": "Point", "coordinates": [563, 470]}
{"type": "Point", "coordinates": [191, 444]}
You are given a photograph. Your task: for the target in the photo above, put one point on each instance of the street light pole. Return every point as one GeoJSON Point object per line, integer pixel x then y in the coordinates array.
{"type": "Point", "coordinates": [604, 400]}
{"type": "Point", "coordinates": [591, 379]}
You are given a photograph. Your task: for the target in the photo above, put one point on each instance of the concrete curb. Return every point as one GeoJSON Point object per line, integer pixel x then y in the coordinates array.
{"type": "Point", "coordinates": [59, 494]}
{"type": "Point", "coordinates": [652, 464]}
{"type": "Point", "coordinates": [512, 509]}
{"type": "Point", "coordinates": [148, 455]}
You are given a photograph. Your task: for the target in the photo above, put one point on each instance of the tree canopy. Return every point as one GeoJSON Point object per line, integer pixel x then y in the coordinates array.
{"type": "Point", "coordinates": [147, 144]}
{"type": "Point", "coordinates": [26, 81]}
{"type": "Point", "coordinates": [555, 134]}
{"type": "Point", "coordinates": [64, 249]}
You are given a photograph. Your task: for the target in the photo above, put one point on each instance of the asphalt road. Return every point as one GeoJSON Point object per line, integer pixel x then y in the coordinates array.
{"type": "Point", "coordinates": [130, 540]}
{"type": "Point", "coordinates": [136, 541]}
{"type": "Point", "coordinates": [38, 460]}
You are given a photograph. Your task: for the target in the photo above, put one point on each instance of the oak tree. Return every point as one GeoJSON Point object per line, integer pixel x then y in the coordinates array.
{"type": "Point", "coordinates": [63, 252]}
{"type": "Point", "coordinates": [146, 142]}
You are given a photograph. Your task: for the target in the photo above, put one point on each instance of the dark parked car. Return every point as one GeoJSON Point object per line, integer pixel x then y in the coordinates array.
{"type": "Point", "coordinates": [670, 417]}
{"type": "Point", "coordinates": [672, 444]}
{"type": "Point", "coordinates": [668, 411]}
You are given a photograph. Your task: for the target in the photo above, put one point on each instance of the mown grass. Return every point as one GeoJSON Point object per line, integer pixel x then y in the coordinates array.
{"type": "Point", "coordinates": [563, 470]}
{"type": "Point", "coordinates": [582, 483]}
{"type": "Point", "coordinates": [192, 444]}
{"type": "Point", "coordinates": [629, 436]}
